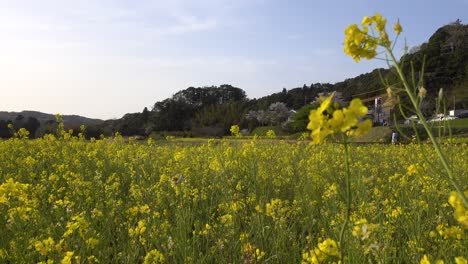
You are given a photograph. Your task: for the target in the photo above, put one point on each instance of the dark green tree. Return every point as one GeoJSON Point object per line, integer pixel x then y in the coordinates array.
{"type": "Point", "coordinates": [32, 125]}
{"type": "Point", "coordinates": [301, 118]}
{"type": "Point", "coordinates": [5, 132]}
{"type": "Point", "coordinates": [145, 115]}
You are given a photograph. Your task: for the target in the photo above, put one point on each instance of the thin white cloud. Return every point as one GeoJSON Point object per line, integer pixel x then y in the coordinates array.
{"type": "Point", "coordinates": [87, 17]}
{"type": "Point", "coordinates": [189, 23]}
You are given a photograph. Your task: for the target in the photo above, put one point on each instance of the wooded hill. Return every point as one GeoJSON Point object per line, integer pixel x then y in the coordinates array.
{"type": "Point", "coordinates": [68, 120]}
{"type": "Point", "coordinates": [446, 66]}
{"type": "Point", "coordinates": [38, 123]}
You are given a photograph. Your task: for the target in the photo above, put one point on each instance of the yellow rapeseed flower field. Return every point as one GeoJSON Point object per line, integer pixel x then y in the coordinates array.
{"type": "Point", "coordinates": [64, 199]}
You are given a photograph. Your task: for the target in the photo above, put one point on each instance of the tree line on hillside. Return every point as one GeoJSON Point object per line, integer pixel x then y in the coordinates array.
{"type": "Point", "coordinates": [32, 124]}
{"type": "Point", "coordinates": [195, 111]}
{"type": "Point", "coordinates": [38, 124]}
{"type": "Point", "coordinates": [211, 111]}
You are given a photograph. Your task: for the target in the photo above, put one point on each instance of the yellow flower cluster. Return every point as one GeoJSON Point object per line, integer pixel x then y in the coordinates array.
{"type": "Point", "coordinates": [328, 119]}
{"type": "Point", "coordinates": [11, 189]}
{"type": "Point", "coordinates": [359, 43]}
{"type": "Point", "coordinates": [458, 260]}
{"type": "Point", "coordinates": [45, 246]}
{"type": "Point", "coordinates": [67, 259]}
{"type": "Point", "coordinates": [138, 232]}
{"type": "Point", "coordinates": [322, 253]}
{"type": "Point", "coordinates": [276, 209]}
{"type": "Point", "coordinates": [235, 130]}
{"type": "Point", "coordinates": [154, 257]}
{"type": "Point", "coordinates": [362, 229]}
{"type": "Point", "coordinates": [78, 222]}
{"type": "Point", "coordinates": [425, 260]}
{"type": "Point", "coordinates": [14, 196]}
{"type": "Point", "coordinates": [447, 232]}
{"type": "Point", "coordinates": [251, 254]}
{"type": "Point", "coordinates": [461, 212]}
{"type": "Point", "coordinates": [271, 134]}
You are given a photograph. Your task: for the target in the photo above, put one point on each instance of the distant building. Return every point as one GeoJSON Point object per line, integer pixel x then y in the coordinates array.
{"type": "Point", "coordinates": [290, 115]}
{"type": "Point", "coordinates": [458, 112]}
{"type": "Point", "coordinates": [381, 108]}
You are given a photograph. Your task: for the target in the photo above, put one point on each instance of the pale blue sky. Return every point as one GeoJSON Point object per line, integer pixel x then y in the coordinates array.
{"type": "Point", "coordinates": [102, 58]}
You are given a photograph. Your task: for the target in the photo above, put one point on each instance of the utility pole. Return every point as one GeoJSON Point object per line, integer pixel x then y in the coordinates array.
{"type": "Point", "coordinates": [454, 104]}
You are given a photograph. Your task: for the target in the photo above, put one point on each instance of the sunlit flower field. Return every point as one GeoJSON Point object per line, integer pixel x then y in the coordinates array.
{"type": "Point", "coordinates": [67, 200]}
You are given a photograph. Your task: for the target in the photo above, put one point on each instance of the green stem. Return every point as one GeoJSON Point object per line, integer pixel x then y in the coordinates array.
{"type": "Point", "coordinates": [348, 197]}
{"type": "Point", "coordinates": [438, 150]}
